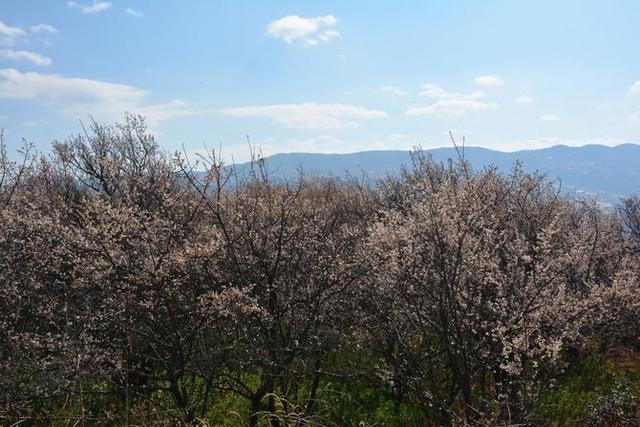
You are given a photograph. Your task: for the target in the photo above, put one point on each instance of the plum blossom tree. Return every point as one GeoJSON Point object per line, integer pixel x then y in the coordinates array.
{"type": "Point", "coordinates": [292, 247]}
{"type": "Point", "coordinates": [480, 281]}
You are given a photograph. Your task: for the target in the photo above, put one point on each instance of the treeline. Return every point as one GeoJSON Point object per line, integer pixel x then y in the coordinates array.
{"type": "Point", "coordinates": [137, 289]}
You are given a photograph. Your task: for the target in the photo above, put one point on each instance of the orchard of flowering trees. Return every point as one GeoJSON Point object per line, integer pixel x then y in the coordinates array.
{"type": "Point", "coordinates": [138, 288]}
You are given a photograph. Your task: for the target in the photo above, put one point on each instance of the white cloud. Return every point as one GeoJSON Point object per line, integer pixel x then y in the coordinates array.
{"type": "Point", "coordinates": [11, 32]}
{"type": "Point", "coordinates": [634, 117]}
{"type": "Point", "coordinates": [25, 55]}
{"type": "Point", "coordinates": [135, 13]}
{"type": "Point", "coordinates": [634, 89]}
{"type": "Point", "coordinates": [311, 31]}
{"type": "Point", "coordinates": [44, 28]}
{"type": "Point", "coordinates": [524, 99]}
{"type": "Point", "coordinates": [450, 103]}
{"type": "Point", "coordinates": [435, 91]}
{"type": "Point", "coordinates": [31, 85]}
{"type": "Point", "coordinates": [393, 90]}
{"type": "Point", "coordinates": [76, 97]}
{"type": "Point", "coordinates": [550, 118]}
{"type": "Point", "coordinates": [431, 90]}
{"type": "Point", "coordinates": [309, 115]}
{"type": "Point", "coordinates": [488, 81]}
{"type": "Point", "coordinates": [96, 7]}
{"type": "Point", "coordinates": [452, 107]}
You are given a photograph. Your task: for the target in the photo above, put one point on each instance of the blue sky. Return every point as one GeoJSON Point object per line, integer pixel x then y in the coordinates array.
{"type": "Point", "coordinates": [324, 76]}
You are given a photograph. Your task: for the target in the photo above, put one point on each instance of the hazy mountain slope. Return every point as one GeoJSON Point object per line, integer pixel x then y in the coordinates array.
{"type": "Point", "coordinates": [607, 172]}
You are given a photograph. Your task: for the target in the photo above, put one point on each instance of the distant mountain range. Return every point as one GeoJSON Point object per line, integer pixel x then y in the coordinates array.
{"type": "Point", "coordinates": [606, 173]}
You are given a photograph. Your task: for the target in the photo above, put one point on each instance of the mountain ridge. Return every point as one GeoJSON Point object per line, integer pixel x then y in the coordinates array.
{"type": "Point", "coordinates": [605, 172]}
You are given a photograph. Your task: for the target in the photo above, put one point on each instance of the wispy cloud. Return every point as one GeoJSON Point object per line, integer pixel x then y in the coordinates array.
{"type": "Point", "coordinates": [9, 34]}
{"type": "Point", "coordinates": [96, 7]}
{"type": "Point", "coordinates": [134, 13]}
{"type": "Point", "coordinates": [450, 103]}
{"type": "Point", "coordinates": [77, 97]}
{"type": "Point", "coordinates": [524, 99]}
{"type": "Point", "coordinates": [488, 81]}
{"type": "Point", "coordinates": [309, 115]}
{"type": "Point", "coordinates": [9, 31]}
{"type": "Point", "coordinates": [634, 117]}
{"type": "Point", "coordinates": [44, 29]}
{"type": "Point", "coordinates": [25, 55]}
{"type": "Point", "coordinates": [452, 107]}
{"type": "Point", "coordinates": [550, 118]}
{"type": "Point", "coordinates": [634, 89]}
{"type": "Point", "coordinates": [392, 90]}
{"type": "Point", "coordinates": [310, 31]}
{"type": "Point", "coordinates": [436, 92]}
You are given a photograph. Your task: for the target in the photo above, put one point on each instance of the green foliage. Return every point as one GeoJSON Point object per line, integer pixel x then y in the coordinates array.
{"type": "Point", "coordinates": [592, 386]}
{"type": "Point", "coordinates": [357, 403]}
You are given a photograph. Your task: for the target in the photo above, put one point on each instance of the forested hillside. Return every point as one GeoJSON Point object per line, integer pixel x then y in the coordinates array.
{"type": "Point", "coordinates": [596, 171]}
{"type": "Point", "coordinates": [136, 290]}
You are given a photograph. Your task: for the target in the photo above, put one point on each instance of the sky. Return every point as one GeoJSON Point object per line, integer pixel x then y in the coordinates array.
{"type": "Point", "coordinates": [324, 76]}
